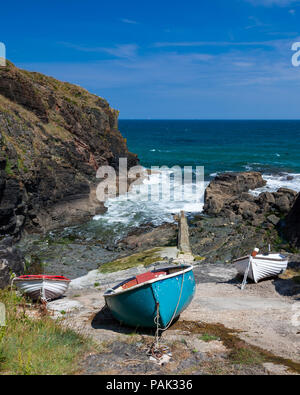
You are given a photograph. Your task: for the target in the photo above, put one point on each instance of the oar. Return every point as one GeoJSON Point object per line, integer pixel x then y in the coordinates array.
{"type": "Point", "coordinates": [253, 254]}
{"type": "Point", "coordinates": [246, 274]}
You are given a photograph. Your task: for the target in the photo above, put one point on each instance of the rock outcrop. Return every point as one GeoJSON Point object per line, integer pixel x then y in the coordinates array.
{"type": "Point", "coordinates": [227, 196]}
{"type": "Point", "coordinates": [53, 137]}
{"type": "Point", "coordinates": [235, 221]}
{"type": "Point", "coordinates": [226, 187]}
{"type": "Point", "coordinates": [11, 261]}
{"type": "Point", "coordinates": [292, 224]}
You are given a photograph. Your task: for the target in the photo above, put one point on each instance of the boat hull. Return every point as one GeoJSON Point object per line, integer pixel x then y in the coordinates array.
{"type": "Point", "coordinates": [262, 266]}
{"type": "Point", "coordinates": [42, 289]}
{"type": "Point", "coordinates": [137, 307]}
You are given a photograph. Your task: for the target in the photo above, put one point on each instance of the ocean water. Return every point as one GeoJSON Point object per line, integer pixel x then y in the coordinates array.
{"type": "Point", "coordinates": [271, 147]}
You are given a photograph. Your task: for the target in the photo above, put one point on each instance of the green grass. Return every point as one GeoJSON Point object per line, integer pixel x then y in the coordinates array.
{"type": "Point", "coordinates": [208, 338]}
{"type": "Point", "coordinates": [199, 258]}
{"type": "Point", "coordinates": [247, 356]}
{"type": "Point", "coordinates": [31, 346]}
{"type": "Point", "coordinates": [8, 168]}
{"type": "Point", "coordinates": [144, 258]}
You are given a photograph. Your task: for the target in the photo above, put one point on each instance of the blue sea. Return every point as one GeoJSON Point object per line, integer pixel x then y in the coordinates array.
{"type": "Point", "coordinates": [271, 147]}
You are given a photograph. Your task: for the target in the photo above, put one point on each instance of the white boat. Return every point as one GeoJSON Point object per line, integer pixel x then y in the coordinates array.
{"type": "Point", "coordinates": [42, 287]}
{"type": "Point", "coordinates": [262, 265]}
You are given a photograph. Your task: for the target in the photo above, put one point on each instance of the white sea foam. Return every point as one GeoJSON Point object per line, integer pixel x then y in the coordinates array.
{"type": "Point", "coordinates": [282, 180]}
{"type": "Point", "coordinates": [136, 207]}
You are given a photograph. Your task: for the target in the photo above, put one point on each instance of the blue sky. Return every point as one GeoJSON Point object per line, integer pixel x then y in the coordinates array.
{"type": "Point", "coordinates": [213, 59]}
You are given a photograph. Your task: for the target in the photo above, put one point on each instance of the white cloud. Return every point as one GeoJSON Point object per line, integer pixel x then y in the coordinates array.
{"type": "Point", "coordinates": [255, 22]}
{"type": "Point", "coordinates": [234, 80]}
{"type": "Point", "coordinates": [119, 50]}
{"type": "Point", "coordinates": [122, 51]}
{"type": "Point", "coordinates": [270, 3]}
{"type": "Point", "coordinates": [269, 43]}
{"type": "Point", "coordinates": [243, 64]}
{"type": "Point", "coordinates": [129, 21]}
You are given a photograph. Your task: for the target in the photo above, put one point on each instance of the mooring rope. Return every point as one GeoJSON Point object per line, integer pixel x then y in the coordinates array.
{"type": "Point", "coordinates": [158, 349]}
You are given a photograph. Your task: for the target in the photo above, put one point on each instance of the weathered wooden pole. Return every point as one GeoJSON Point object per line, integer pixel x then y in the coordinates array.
{"type": "Point", "coordinates": [183, 235]}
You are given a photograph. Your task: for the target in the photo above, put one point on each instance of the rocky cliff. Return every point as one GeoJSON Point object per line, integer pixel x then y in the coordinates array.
{"type": "Point", "coordinates": [53, 137]}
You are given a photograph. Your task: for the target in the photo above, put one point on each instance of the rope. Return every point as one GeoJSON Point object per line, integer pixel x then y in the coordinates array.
{"type": "Point", "coordinates": [12, 283]}
{"type": "Point", "coordinates": [169, 324]}
{"type": "Point", "coordinates": [156, 349]}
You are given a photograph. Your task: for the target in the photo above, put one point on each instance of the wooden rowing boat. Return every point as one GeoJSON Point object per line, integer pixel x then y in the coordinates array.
{"type": "Point", "coordinates": [42, 287]}
{"type": "Point", "coordinates": [160, 294]}
{"type": "Point", "coordinates": [262, 265]}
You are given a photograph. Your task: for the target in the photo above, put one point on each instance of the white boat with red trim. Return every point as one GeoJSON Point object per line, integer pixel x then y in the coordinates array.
{"type": "Point", "coordinates": [42, 287]}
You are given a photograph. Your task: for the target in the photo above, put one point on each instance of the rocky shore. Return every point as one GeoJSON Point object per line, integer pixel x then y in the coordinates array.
{"type": "Point", "coordinates": [235, 220]}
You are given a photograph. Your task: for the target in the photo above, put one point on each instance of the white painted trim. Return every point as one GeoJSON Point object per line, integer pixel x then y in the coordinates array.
{"type": "Point", "coordinates": [189, 268]}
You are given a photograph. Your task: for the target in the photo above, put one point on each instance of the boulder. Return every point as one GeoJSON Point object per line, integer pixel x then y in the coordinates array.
{"type": "Point", "coordinates": [226, 187]}
{"type": "Point", "coordinates": [227, 195]}
{"type": "Point", "coordinates": [284, 199]}
{"type": "Point", "coordinates": [11, 262]}
{"type": "Point", "coordinates": [273, 219]}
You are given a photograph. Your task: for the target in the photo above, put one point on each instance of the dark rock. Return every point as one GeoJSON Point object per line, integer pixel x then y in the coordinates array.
{"type": "Point", "coordinates": [224, 189]}
{"type": "Point", "coordinates": [273, 219]}
{"type": "Point", "coordinates": [284, 199]}
{"type": "Point", "coordinates": [11, 261]}
{"type": "Point", "coordinates": [292, 224]}
{"type": "Point", "coordinates": [266, 198]}
{"type": "Point", "coordinates": [227, 196]}
{"type": "Point", "coordinates": [148, 236]}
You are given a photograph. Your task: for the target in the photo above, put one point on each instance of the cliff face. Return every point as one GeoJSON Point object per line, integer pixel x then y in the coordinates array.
{"type": "Point", "coordinates": [53, 137]}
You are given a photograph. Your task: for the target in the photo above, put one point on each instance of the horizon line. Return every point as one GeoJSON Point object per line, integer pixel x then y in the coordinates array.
{"type": "Point", "coordinates": [209, 119]}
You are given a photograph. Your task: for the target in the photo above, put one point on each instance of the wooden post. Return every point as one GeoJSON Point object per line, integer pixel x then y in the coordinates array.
{"type": "Point", "coordinates": [183, 235]}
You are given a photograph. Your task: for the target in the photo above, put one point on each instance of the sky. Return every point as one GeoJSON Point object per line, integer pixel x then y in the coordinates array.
{"type": "Point", "coordinates": [167, 59]}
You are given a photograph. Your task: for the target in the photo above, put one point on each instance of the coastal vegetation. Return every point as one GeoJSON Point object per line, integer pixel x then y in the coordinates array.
{"type": "Point", "coordinates": [33, 343]}
{"type": "Point", "coordinates": [145, 258]}
{"type": "Point", "coordinates": [239, 352]}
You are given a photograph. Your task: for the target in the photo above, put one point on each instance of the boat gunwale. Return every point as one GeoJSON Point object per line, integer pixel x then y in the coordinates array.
{"type": "Point", "coordinates": [187, 269]}
{"type": "Point", "coordinates": [42, 279]}
{"type": "Point", "coordinates": [261, 258]}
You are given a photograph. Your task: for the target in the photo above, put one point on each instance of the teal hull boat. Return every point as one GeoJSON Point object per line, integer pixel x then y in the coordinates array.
{"type": "Point", "coordinates": [162, 293]}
